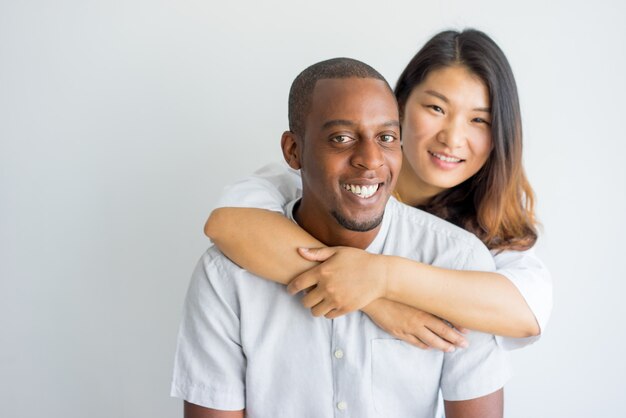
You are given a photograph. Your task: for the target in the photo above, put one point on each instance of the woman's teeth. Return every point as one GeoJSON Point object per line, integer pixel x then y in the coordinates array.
{"type": "Point", "coordinates": [446, 159]}
{"type": "Point", "coordinates": [361, 191]}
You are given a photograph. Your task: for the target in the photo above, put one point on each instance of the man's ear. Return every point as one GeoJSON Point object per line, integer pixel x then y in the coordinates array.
{"type": "Point", "coordinates": [292, 149]}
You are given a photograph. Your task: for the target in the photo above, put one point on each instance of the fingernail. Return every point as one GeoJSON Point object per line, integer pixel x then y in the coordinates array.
{"type": "Point", "coordinates": [450, 350]}
{"type": "Point", "coordinates": [463, 344]}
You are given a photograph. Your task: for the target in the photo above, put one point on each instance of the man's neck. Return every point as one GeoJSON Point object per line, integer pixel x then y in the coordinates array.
{"type": "Point", "coordinates": [329, 231]}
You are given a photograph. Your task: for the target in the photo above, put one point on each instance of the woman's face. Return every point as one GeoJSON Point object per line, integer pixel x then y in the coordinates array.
{"type": "Point", "coordinates": [446, 130]}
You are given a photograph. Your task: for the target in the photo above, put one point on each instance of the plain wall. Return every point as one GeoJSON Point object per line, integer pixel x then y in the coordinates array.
{"type": "Point", "coordinates": [121, 121]}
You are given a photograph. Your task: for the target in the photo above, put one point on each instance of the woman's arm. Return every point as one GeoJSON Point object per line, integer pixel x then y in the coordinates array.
{"type": "Point", "coordinates": [265, 243]}
{"type": "Point", "coordinates": [249, 238]}
{"type": "Point", "coordinates": [261, 241]}
{"type": "Point", "coordinates": [350, 278]}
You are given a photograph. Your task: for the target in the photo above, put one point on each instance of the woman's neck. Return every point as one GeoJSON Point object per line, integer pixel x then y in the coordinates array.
{"type": "Point", "coordinates": [411, 190]}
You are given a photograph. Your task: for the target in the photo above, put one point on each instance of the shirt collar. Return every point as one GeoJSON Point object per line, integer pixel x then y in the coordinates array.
{"type": "Point", "coordinates": [376, 246]}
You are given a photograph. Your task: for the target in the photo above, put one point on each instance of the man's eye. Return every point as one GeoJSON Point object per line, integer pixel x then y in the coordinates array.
{"type": "Point", "coordinates": [387, 138]}
{"type": "Point", "coordinates": [340, 139]}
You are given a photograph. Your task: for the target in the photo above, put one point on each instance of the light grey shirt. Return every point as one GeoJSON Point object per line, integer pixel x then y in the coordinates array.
{"type": "Point", "coordinates": [275, 185]}
{"type": "Point", "coordinates": [244, 342]}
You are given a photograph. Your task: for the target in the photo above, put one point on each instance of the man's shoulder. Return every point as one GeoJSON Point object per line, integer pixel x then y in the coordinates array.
{"type": "Point", "coordinates": [424, 229]}
{"type": "Point", "coordinates": [217, 271]}
{"type": "Point", "coordinates": [419, 221]}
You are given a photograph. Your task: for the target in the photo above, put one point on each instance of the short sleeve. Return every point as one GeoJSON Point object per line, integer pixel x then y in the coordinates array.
{"type": "Point", "coordinates": [271, 187]}
{"type": "Point", "coordinates": [478, 257]}
{"type": "Point", "coordinates": [478, 370]}
{"type": "Point", "coordinates": [531, 277]}
{"type": "Point", "coordinates": [209, 365]}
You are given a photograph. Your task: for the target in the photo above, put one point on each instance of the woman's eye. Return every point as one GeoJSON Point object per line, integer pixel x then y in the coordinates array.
{"type": "Point", "coordinates": [436, 108]}
{"type": "Point", "coordinates": [480, 120]}
{"type": "Point", "coordinates": [387, 138]}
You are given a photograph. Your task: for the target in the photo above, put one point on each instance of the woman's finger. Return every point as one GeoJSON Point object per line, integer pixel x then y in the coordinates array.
{"type": "Point", "coordinates": [446, 332]}
{"type": "Point", "coordinates": [304, 281]}
{"type": "Point", "coordinates": [311, 299]}
{"type": "Point", "coordinates": [462, 330]}
{"type": "Point", "coordinates": [413, 340]}
{"type": "Point", "coordinates": [317, 254]}
{"type": "Point", "coordinates": [322, 308]}
{"type": "Point", "coordinates": [335, 313]}
{"type": "Point", "coordinates": [433, 340]}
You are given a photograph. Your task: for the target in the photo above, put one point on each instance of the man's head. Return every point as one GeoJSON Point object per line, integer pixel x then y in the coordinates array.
{"type": "Point", "coordinates": [345, 137]}
{"type": "Point", "coordinates": [301, 92]}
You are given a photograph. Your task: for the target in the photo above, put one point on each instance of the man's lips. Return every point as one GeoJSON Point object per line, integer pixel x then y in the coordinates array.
{"type": "Point", "coordinates": [364, 191]}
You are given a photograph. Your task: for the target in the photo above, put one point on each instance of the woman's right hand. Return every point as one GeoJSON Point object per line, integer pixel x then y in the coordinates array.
{"type": "Point", "coordinates": [415, 327]}
{"type": "Point", "coordinates": [347, 280]}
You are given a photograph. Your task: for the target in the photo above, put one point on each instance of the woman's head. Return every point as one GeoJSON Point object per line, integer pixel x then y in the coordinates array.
{"type": "Point", "coordinates": [462, 138]}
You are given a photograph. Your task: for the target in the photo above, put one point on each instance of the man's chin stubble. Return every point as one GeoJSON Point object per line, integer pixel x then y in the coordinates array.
{"type": "Point", "coordinates": [352, 225]}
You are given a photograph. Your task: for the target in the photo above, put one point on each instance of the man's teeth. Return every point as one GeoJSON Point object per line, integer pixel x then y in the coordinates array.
{"type": "Point", "coordinates": [361, 191]}
{"type": "Point", "coordinates": [446, 159]}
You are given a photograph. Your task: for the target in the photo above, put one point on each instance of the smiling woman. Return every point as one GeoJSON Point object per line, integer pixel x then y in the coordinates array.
{"type": "Point", "coordinates": [447, 135]}
{"type": "Point", "coordinates": [462, 143]}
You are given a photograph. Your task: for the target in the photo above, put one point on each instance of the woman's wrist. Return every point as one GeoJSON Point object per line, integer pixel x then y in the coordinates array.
{"type": "Point", "coordinates": [390, 276]}
{"type": "Point", "coordinates": [384, 269]}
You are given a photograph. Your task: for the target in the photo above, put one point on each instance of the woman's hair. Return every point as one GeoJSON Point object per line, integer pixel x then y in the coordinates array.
{"type": "Point", "coordinates": [497, 203]}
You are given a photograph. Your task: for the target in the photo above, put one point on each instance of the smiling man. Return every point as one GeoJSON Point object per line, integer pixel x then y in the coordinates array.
{"type": "Point", "coordinates": [247, 346]}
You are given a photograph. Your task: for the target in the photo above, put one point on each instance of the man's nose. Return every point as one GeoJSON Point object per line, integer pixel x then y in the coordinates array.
{"type": "Point", "coordinates": [368, 155]}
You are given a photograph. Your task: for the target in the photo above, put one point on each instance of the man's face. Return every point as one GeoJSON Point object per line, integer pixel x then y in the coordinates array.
{"type": "Point", "coordinates": [350, 155]}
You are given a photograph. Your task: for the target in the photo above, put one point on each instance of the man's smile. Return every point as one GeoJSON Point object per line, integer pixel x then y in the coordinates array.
{"type": "Point", "coordinates": [363, 191]}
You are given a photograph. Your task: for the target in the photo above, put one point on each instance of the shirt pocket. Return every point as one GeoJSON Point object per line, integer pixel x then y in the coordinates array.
{"type": "Point", "coordinates": [405, 379]}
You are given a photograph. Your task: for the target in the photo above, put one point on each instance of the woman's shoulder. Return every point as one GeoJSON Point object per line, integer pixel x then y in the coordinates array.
{"type": "Point", "coordinates": [270, 187]}
{"type": "Point", "coordinates": [525, 259]}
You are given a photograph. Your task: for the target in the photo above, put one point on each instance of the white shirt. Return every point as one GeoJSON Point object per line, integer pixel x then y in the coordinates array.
{"type": "Point", "coordinates": [244, 342]}
{"type": "Point", "coordinates": [274, 185]}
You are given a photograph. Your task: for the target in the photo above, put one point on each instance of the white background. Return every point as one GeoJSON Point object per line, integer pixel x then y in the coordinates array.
{"type": "Point", "coordinates": [120, 121]}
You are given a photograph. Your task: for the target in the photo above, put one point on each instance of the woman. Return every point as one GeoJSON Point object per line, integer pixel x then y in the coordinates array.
{"type": "Point", "coordinates": [462, 144]}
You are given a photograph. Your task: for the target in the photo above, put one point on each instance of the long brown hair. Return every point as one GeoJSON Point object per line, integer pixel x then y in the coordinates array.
{"type": "Point", "coordinates": [497, 203]}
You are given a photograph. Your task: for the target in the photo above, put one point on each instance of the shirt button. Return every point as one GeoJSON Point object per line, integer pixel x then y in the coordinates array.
{"type": "Point", "coordinates": [339, 353]}
{"type": "Point", "coordinates": [342, 406]}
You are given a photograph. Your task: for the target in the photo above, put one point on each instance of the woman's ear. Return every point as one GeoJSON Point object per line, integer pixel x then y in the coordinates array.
{"type": "Point", "coordinates": [291, 146]}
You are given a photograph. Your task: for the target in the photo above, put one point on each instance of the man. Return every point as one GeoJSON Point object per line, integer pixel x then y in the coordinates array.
{"type": "Point", "coordinates": [245, 343]}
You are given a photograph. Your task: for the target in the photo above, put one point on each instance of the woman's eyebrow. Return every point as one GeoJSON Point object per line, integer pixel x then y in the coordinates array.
{"type": "Point", "coordinates": [445, 99]}
{"type": "Point", "coordinates": [437, 95]}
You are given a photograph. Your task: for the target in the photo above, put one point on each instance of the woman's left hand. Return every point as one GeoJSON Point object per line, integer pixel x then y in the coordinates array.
{"type": "Point", "coordinates": [347, 280]}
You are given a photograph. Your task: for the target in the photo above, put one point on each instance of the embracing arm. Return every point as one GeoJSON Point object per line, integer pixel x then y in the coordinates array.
{"type": "Point", "coordinates": [261, 241]}
{"type": "Point", "coordinates": [259, 250]}
{"type": "Point", "coordinates": [266, 243]}
{"type": "Point", "coordinates": [484, 301]}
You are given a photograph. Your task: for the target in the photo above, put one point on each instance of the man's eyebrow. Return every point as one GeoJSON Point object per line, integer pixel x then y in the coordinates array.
{"type": "Point", "coordinates": [344, 122]}
{"type": "Point", "coordinates": [338, 122]}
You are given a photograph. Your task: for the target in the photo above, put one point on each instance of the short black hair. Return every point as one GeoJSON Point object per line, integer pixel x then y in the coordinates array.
{"type": "Point", "coordinates": [302, 87]}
